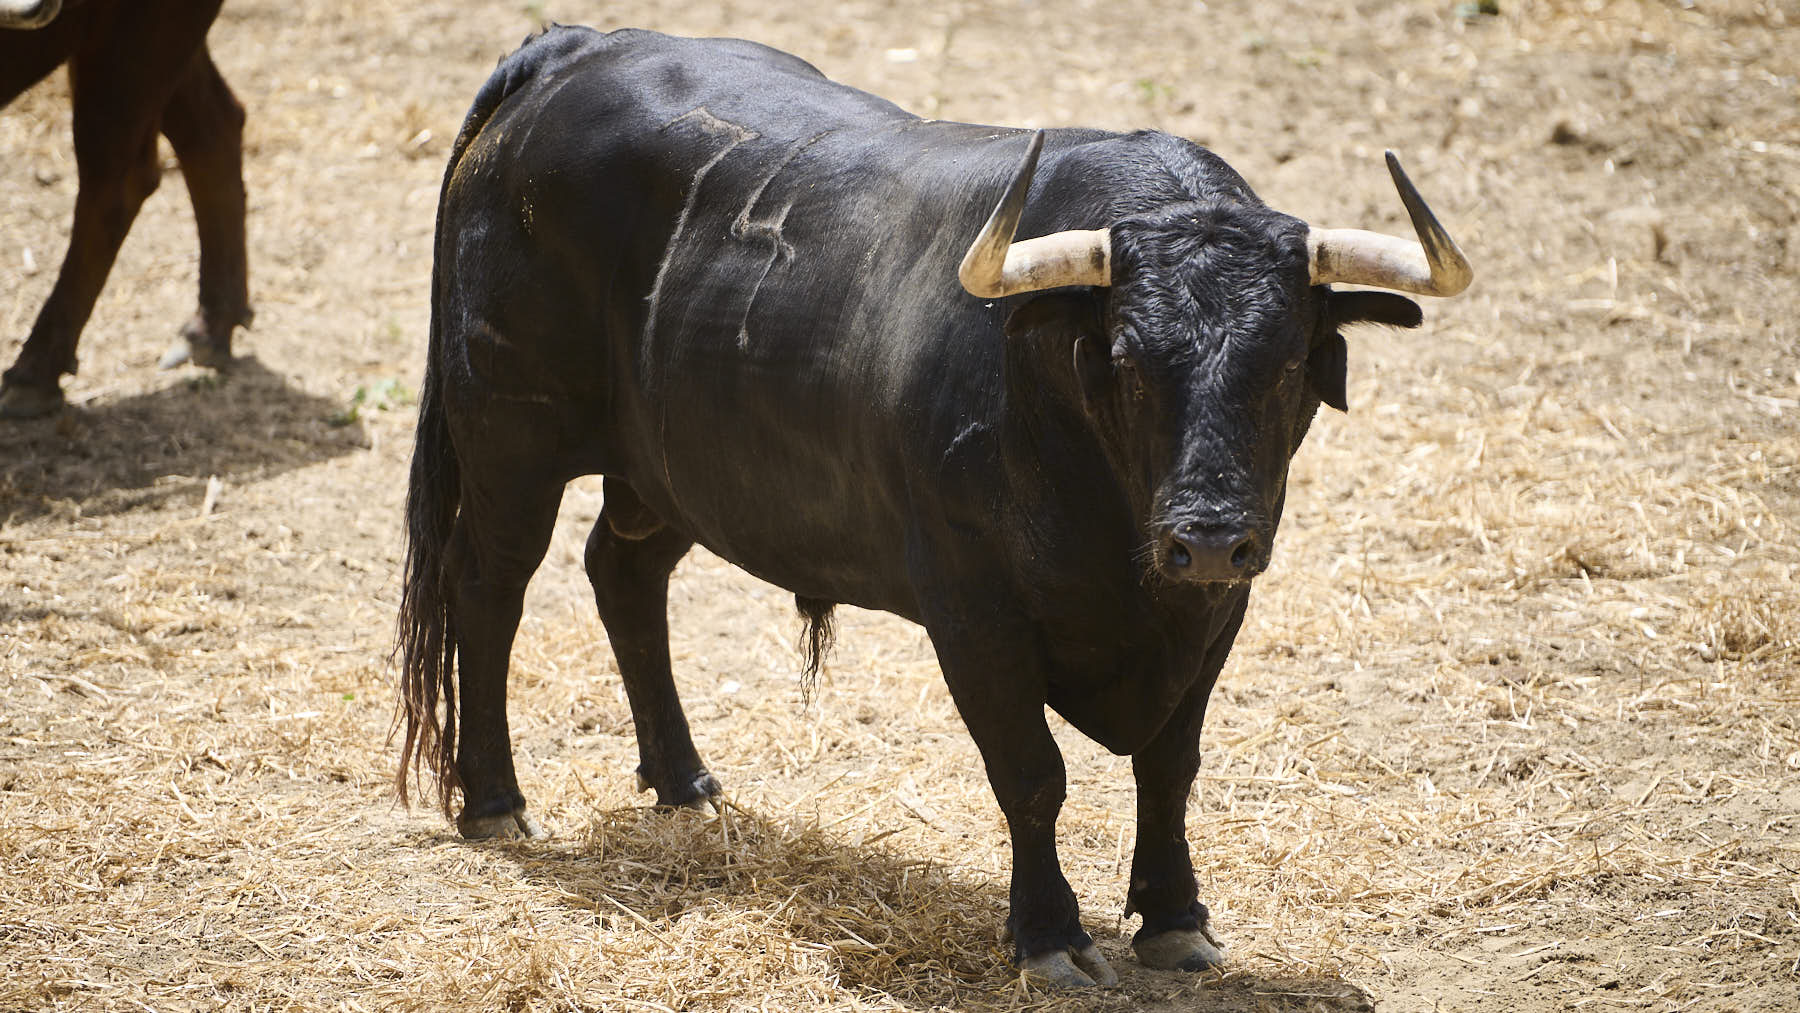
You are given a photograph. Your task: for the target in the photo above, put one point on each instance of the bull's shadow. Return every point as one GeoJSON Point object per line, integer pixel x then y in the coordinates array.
{"type": "Point", "coordinates": [112, 455]}
{"type": "Point", "coordinates": [909, 930]}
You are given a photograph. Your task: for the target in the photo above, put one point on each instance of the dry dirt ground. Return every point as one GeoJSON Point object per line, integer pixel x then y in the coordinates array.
{"type": "Point", "coordinates": [1514, 723]}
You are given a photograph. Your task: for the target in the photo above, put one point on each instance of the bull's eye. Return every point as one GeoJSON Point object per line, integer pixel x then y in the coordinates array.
{"type": "Point", "coordinates": [1133, 382]}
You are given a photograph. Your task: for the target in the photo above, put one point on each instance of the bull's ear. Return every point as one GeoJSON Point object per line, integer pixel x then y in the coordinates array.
{"type": "Point", "coordinates": [1375, 308]}
{"type": "Point", "coordinates": [1093, 370]}
{"type": "Point", "coordinates": [1060, 325]}
{"type": "Point", "coordinates": [1326, 366]}
{"type": "Point", "coordinates": [1061, 312]}
{"type": "Point", "coordinates": [1326, 372]}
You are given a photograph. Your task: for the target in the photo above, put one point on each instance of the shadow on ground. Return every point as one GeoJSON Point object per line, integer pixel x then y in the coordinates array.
{"type": "Point", "coordinates": [140, 451]}
{"type": "Point", "coordinates": [909, 930]}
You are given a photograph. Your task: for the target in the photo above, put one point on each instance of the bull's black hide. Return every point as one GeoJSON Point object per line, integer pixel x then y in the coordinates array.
{"type": "Point", "coordinates": [730, 286]}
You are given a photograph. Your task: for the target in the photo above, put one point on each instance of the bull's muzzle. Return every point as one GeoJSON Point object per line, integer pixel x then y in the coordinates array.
{"type": "Point", "coordinates": [1192, 552]}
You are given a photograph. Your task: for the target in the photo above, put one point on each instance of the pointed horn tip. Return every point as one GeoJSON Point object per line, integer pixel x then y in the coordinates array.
{"type": "Point", "coordinates": [1451, 272]}
{"type": "Point", "coordinates": [982, 267]}
{"type": "Point", "coordinates": [1028, 164]}
{"type": "Point", "coordinates": [1402, 182]}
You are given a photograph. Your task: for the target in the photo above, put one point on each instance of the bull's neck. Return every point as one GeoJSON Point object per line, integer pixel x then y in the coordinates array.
{"type": "Point", "coordinates": [1056, 467]}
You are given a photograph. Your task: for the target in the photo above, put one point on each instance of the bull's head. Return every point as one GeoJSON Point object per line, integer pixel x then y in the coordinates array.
{"type": "Point", "coordinates": [28, 13]}
{"type": "Point", "coordinates": [1217, 342]}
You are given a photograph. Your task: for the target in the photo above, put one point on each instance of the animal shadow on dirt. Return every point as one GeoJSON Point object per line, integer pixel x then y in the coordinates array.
{"type": "Point", "coordinates": [909, 929]}
{"type": "Point", "coordinates": [145, 450]}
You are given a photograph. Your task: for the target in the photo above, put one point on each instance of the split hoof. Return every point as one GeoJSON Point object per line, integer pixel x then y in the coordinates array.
{"type": "Point", "coordinates": [1070, 968]}
{"type": "Point", "coordinates": [1179, 950]}
{"type": "Point", "coordinates": [701, 793]}
{"type": "Point", "coordinates": [29, 401]}
{"type": "Point", "coordinates": [517, 825]}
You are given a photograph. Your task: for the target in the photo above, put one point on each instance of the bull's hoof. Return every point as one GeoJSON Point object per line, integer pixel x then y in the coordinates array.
{"type": "Point", "coordinates": [1179, 950]}
{"type": "Point", "coordinates": [517, 825]}
{"type": "Point", "coordinates": [29, 401]}
{"type": "Point", "coordinates": [1070, 968]}
{"type": "Point", "coordinates": [699, 793]}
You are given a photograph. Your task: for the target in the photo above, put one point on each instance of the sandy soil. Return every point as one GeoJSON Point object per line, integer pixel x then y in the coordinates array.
{"type": "Point", "coordinates": [1514, 723]}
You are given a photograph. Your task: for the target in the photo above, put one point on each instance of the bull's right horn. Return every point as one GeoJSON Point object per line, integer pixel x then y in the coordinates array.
{"type": "Point", "coordinates": [1431, 266]}
{"type": "Point", "coordinates": [995, 266]}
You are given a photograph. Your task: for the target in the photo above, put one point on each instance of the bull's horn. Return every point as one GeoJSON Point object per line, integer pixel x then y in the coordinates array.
{"type": "Point", "coordinates": [1431, 266]}
{"type": "Point", "coordinates": [28, 13]}
{"type": "Point", "coordinates": [996, 266]}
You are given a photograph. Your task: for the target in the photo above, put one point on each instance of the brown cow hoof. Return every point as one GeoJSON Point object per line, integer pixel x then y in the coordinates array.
{"type": "Point", "coordinates": [1083, 968]}
{"type": "Point", "coordinates": [203, 353]}
{"type": "Point", "coordinates": [200, 345]}
{"type": "Point", "coordinates": [517, 825]}
{"type": "Point", "coordinates": [1179, 950]}
{"type": "Point", "coordinates": [29, 401]}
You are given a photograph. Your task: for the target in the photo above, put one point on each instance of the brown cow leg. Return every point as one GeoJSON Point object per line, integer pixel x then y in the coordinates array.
{"type": "Point", "coordinates": [118, 171]}
{"type": "Point", "coordinates": [25, 59]}
{"type": "Point", "coordinates": [205, 124]}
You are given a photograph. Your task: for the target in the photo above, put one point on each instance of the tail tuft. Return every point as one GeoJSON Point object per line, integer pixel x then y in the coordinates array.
{"type": "Point", "coordinates": [815, 639]}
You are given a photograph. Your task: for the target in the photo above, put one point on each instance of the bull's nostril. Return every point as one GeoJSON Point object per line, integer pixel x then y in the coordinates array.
{"type": "Point", "coordinates": [1201, 552]}
{"type": "Point", "coordinates": [1240, 556]}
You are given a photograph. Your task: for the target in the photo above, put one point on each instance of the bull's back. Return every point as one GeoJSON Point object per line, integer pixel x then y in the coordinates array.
{"type": "Point", "coordinates": [732, 281]}
{"type": "Point", "coordinates": [582, 168]}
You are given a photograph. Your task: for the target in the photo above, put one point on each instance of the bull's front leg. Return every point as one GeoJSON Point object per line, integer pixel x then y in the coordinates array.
{"type": "Point", "coordinates": [1175, 933]}
{"type": "Point", "coordinates": [1163, 889]}
{"type": "Point", "coordinates": [1004, 712]}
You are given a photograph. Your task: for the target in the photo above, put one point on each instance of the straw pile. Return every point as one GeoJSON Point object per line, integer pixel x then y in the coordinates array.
{"type": "Point", "coordinates": [1514, 722]}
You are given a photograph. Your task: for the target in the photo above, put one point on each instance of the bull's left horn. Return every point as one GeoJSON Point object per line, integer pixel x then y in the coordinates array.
{"type": "Point", "coordinates": [996, 266]}
{"type": "Point", "coordinates": [1431, 266]}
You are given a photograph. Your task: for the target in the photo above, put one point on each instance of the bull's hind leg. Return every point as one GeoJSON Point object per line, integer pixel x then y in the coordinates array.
{"type": "Point", "coordinates": [205, 124]}
{"type": "Point", "coordinates": [499, 539]}
{"type": "Point", "coordinates": [630, 555]}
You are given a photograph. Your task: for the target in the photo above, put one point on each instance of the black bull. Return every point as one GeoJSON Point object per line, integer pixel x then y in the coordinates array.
{"type": "Point", "coordinates": [730, 286]}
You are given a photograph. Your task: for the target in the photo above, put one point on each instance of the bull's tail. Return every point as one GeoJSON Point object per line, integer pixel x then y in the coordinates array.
{"type": "Point", "coordinates": [426, 644]}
